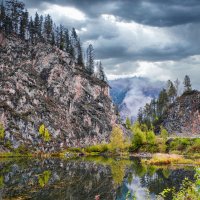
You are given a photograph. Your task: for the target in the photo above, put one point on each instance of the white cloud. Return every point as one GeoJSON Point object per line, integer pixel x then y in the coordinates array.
{"type": "Point", "coordinates": [63, 11]}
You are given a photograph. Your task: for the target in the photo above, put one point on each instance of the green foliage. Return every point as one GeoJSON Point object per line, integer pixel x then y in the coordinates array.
{"type": "Point", "coordinates": [101, 148]}
{"type": "Point", "coordinates": [1, 181]}
{"type": "Point", "coordinates": [117, 141]}
{"type": "Point", "coordinates": [75, 149]}
{"type": "Point", "coordinates": [44, 133]}
{"type": "Point", "coordinates": [139, 137]}
{"type": "Point", "coordinates": [8, 145]}
{"type": "Point", "coordinates": [2, 132]}
{"type": "Point", "coordinates": [188, 190]}
{"type": "Point", "coordinates": [151, 138]}
{"type": "Point", "coordinates": [155, 111]}
{"type": "Point", "coordinates": [195, 147]}
{"type": "Point", "coordinates": [187, 83]}
{"type": "Point", "coordinates": [163, 133]}
{"type": "Point", "coordinates": [43, 179]}
{"type": "Point", "coordinates": [22, 149]}
{"type": "Point", "coordinates": [128, 123]}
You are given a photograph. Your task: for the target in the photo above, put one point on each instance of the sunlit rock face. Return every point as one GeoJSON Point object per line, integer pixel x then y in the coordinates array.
{"type": "Point", "coordinates": [183, 117]}
{"type": "Point", "coordinates": [42, 85]}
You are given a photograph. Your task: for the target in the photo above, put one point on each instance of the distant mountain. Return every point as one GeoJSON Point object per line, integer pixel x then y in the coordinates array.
{"type": "Point", "coordinates": [132, 93]}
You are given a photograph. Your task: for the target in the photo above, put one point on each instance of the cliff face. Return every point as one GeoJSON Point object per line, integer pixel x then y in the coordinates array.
{"type": "Point", "coordinates": [42, 85]}
{"type": "Point", "coordinates": [183, 117]}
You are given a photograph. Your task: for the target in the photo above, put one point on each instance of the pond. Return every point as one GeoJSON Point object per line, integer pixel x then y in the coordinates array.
{"type": "Point", "coordinates": [86, 178]}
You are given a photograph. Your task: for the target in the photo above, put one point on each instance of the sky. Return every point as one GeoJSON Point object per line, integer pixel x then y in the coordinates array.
{"type": "Point", "coordinates": [156, 39]}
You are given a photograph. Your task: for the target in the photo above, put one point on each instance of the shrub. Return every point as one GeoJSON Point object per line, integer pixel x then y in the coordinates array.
{"type": "Point", "coordinates": [163, 132]}
{"type": "Point", "coordinates": [44, 133]}
{"type": "Point", "coordinates": [117, 139]}
{"type": "Point", "coordinates": [179, 144]}
{"type": "Point", "coordinates": [2, 132]}
{"type": "Point", "coordinates": [128, 123]}
{"type": "Point", "coordinates": [101, 148]}
{"type": "Point", "coordinates": [195, 148]}
{"type": "Point", "coordinates": [151, 138]}
{"type": "Point", "coordinates": [75, 149]}
{"type": "Point", "coordinates": [139, 137]}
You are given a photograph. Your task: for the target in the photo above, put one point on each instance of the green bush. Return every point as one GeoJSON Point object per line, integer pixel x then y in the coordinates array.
{"type": "Point", "coordinates": [139, 137]}
{"type": "Point", "coordinates": [195, 147]}
{"type": "Point", "coordinates": [101, 148]}
{"type": "Point", "coordinates": [163, 132]}
{"type": "Point", "coordinates": [44, 132]}
{"type": "Point", "coordinates": [180, 144]}
{"type": "Point", "coordinates": [151, 138]}
{"type": "Point", "coordinates": [2, 132]}
{"type": "Point", "coordinates": [117, 140]}
{"type": "Point", "coordinates": [75, 149]}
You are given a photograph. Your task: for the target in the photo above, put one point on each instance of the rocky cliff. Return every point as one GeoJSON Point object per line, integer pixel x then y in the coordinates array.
{"type": "Point", "coordinates": [41, 85]}
{"type": "Point", "coordinates": [183, 116]}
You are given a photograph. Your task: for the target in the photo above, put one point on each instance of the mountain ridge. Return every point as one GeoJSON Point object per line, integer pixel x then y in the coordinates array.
{"type": "Point", "coordinates": [43, 88]}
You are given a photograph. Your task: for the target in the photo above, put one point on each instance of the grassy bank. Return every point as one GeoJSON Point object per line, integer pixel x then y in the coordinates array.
{"type": "Point", "coordinates": [166, 159]}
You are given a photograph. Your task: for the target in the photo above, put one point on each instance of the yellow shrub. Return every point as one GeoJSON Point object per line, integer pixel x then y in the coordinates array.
{"type": "Point", "coordinates": [117, 139]}
{"type": "Point", "coordinates": [2, 131]}
{"type": "Point", "coordinates": [44, 133]}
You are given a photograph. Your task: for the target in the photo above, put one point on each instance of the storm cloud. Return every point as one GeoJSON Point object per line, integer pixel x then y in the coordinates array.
{"type": "Point", "coordinates": [151, 38]}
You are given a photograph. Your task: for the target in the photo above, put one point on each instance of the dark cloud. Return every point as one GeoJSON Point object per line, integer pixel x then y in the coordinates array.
{"type": "Point", "coordinates": [159, 13]}
{"type": "Point", "coordinates": [141, 30]}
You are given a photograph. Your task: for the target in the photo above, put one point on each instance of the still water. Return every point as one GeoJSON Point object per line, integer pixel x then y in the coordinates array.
{"type": "Point", "coordinates": [85, 178]}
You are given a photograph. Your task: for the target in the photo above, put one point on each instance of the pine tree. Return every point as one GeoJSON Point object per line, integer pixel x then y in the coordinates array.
{"type": "Point", "coordinates": [140, 116]}
{"type": "Point", "coordinates": [31, 31]}
{"type": "Point", "coordinates": [67, 41]}
{"type": "Point", "coordinates": [48, 28]}
{"type": "Point", "coordinates": [100, 72]}
{"type": "Point", "coordinates": [14, 12]}
{"type": "Point", "coordinates": [128, 123]}
{"type": "Point", "coordinates": [37, 26]}
{"type": "Point", "coordinates": [40, 27]}
{"type": "Point", "coordinates": [62, 38]}
{"type": "Point", "coordinates": [80, 54]}
{"type": "Point", "coordinates": [57, 36]}
{"type": "Point", "coordinates": [171, 91]}
{"type": "Point", "coordinates": [176, 84]}
{"type": "Point", "coordinates": [24, 25]}
{"type": "Point", "coordinates": [2, 17]}
{"type": "Point", "coordinates": [90, 59]}
{"type": "Point", "coordinates": [74, 43]}
{"type": "Point", "coordinates": [187, 83]}
{"type": "Point", "coordinates": [162, 102]}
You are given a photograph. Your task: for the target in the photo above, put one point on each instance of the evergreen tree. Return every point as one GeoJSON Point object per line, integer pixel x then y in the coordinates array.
{"type": "Point", "coordinates": [187, 83]}
{"type": "Point", "coordinates": [14, 12]}
{"type": "Point", "coordinates": [62, 38]}
{"type": "Point", "coordinates": [48, 28]}
{"type": "Point", "coordinates": [2, 17]}
{"type": "Point", "coordinates": [140, 116]}
{"type": "Point", "coordinates": [162, 102]}
{"type": "Point", "coordinates": [90, 59]}
{"type": "Point", "coordinates": [176, 84]}
{"type": "Point", "coordinates": [31, 31]}
{"type": "Point", "coordinates": [74, 42]}
{"type": "Point", "coordinates": [100, 72]}
{"type": "Point", "coordinates": [57, 36]}
{"type": "Point", "coordinates": [80, 54]}
{"type": "Point", "coordinates": [37, 26]}
{"type": "Point", "coordinates": [24, 25]}
{"type": "Point", "coordinates": [67, 41]}
{"type": "Point", "coordinates": [171, 91]}
{"type": "Point", "coordinates": [128, 123]}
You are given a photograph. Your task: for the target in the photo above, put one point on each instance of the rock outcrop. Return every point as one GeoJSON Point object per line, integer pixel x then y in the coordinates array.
{"type": "Point", "coordinates": [41, 84]}
{"type": "Point", "coordinates": [183, 116]}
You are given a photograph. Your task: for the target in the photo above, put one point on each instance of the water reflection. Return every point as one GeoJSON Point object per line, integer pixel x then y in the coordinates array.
{"type": "Point", "coordinates": [85, 178]}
